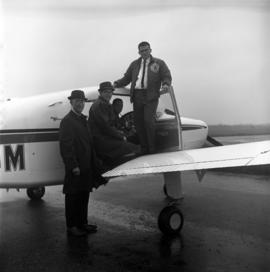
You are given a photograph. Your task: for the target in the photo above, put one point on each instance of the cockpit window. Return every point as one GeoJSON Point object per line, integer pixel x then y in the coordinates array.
{"type": "Point", "coordinates": [165, 108]}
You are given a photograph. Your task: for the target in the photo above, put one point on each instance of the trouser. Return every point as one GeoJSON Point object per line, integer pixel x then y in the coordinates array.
{"type": "Point", "coordinates": [144, 118]}
{"type": "Point", "coordinates": [76, 209]}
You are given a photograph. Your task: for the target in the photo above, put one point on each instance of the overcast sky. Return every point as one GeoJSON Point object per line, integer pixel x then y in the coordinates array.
{"type": "Point", "coordinates": [218, 51]}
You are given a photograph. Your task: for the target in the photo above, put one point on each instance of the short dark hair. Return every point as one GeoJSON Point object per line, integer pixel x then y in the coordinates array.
{"type": "Point", "coordinates": [117, 100]}
{"type": "Point", "coordinates": [144, 43]}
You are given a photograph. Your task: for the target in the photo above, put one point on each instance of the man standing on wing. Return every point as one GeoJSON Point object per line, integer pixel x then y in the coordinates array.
{"type": "Point", "coordinates": [147, 76]}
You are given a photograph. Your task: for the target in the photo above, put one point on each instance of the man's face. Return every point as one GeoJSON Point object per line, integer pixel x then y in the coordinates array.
{"type": "Point", "coordinates": [118, 107]}
{"type": "Point", "coordinates": [145, 51]}
{"type": "Point", "coordinates": [77, 105]}
{"type": "Point", "coordinates": [106, 95]}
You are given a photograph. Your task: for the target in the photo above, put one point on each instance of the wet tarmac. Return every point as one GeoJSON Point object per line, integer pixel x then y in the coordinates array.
{"type": "Point", "coordinates": [227, 228]}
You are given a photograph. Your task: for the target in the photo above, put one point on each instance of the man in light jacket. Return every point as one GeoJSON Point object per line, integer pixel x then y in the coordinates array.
{"type": "Point", "coordinates": [147, 76]}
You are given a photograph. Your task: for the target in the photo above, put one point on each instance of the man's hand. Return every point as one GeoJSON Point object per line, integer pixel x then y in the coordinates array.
{"type": "Point", "coordinates": [76, 171]}
{"type": "Point", "coordinates": [164, 89]}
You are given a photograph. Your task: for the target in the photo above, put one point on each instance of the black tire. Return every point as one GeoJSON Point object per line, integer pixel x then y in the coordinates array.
{"type": "Point", "coordinates": [35, 193]}
{"type": "Point", "coordinates": [170, 220]}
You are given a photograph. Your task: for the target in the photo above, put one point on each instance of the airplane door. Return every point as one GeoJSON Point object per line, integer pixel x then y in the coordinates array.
{"type": "Point", "coordinates": [168, 123]}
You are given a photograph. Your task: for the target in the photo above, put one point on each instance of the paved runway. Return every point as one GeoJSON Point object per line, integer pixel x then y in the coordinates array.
{"type": "Point", "coordinates": [227, 228]}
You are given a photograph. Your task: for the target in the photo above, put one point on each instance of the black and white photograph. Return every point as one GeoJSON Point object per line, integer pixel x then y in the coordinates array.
{"type": "Point", "coordinates": [135, 135]}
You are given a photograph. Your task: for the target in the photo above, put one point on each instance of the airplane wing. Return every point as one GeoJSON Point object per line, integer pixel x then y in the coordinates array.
{"type": "Point", "coordinates": [248, 154]}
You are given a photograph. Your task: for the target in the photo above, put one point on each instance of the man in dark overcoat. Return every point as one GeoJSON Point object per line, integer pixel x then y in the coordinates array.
{"type": "Point", "coordinates": [82, 167]}
{"type": "Point", "coordinates": [110, 142]}
{"type": "Point", "coordinates": [147, 75]}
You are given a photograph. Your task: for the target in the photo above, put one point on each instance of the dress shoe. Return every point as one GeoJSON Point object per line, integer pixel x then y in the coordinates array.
{"type": "Point", "coordinates": [74, 231]}
{"type": "Point", "coordinates": [89, 228]}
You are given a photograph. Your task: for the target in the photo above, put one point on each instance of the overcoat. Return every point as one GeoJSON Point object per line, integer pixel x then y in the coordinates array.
{"type": "Point", "coordinates": [77, 150]}
{"type": "Point", "coordinates": [158, 73]}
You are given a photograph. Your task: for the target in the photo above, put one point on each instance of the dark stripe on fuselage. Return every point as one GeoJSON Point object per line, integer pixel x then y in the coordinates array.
{"type": "Point", "coordinates": [13, 136]}
{"type": "Point", "coordinates": [192, 127]}
{"type": "Point", "coordinates": [8, 131]}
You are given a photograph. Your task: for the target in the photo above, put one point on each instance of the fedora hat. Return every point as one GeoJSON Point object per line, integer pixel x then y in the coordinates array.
{"type": "Point", "coordinates": [77, 94]}
{"type": "Point", "coordinates": [107, 85]}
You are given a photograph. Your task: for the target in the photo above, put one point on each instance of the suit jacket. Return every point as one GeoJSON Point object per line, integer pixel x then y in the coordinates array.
{"type": "Point", "coordinates": [158, 73]}
{"type": "Point", "coordinates": [77, 150]}
{"type": "Point", "coordinates": [108, 140]}
{"type": "Point", "coordinates": [102, 120]}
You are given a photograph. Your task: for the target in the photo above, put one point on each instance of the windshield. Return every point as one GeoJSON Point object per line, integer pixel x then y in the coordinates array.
{"type": "Point", "coordinates": [165, 108]}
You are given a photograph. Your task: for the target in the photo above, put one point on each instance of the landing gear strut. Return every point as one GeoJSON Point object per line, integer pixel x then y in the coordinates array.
{"type": "Point", "coordinates": [165, 190]}
{"type": "Point", "coordinates": [171, 219]}
{"type": "Point", "coordinates": [35, 193]}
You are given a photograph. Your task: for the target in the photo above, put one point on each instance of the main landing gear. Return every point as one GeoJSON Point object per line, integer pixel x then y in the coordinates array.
{"type": "Point", "coordinates": [171, 219]}
{"type": "Point", "coordinates": [35, 193]}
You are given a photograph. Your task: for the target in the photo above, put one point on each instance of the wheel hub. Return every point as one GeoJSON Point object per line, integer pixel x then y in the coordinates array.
{"type": "Point", "coordinates": [175, 221]}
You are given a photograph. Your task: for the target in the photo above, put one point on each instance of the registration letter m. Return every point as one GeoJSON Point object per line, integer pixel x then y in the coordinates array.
{"type": "Point", "coordinates": [14, 158]}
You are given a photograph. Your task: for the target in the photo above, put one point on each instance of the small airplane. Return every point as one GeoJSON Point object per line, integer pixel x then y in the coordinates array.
{"type": "Point", "coordinates": [30, 157]}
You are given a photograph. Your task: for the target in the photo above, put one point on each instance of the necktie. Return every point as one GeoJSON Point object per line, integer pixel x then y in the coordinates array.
{"type": "Point", "coordinates": [143, 73]}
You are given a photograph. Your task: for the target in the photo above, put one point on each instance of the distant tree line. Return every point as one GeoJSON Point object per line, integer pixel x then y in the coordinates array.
{"type": "Point", "coordinates": [238, 130]}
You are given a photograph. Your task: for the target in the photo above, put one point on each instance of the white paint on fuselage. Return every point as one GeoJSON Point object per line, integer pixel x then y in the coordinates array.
{"type": "Point", "coordinates": [43, 164]}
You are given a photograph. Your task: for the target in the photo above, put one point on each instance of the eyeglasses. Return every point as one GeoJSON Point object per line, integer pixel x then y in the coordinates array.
{"type": "Point", "coordinates": [78, 100]}
{"type": "Point", "coordinates": [108, 91]}
{"type": "Point", "coordinates": [144, 50]}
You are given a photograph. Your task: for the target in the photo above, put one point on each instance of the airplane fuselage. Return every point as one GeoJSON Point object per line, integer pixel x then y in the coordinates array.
{"type": "Point", "coordinates": [29, 148]}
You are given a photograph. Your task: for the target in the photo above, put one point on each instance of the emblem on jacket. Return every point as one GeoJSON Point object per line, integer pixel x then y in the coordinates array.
{"type": "Point", "coordinates": [154, 67]}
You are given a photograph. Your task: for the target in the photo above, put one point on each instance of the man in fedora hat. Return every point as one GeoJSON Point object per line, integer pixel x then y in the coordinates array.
{"type": "Point", "coordinates": [146, 75]}
{"type": "Point", "coordinates": [82, 168]}
{"type": "Point", "coordinates": [110, 142]}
